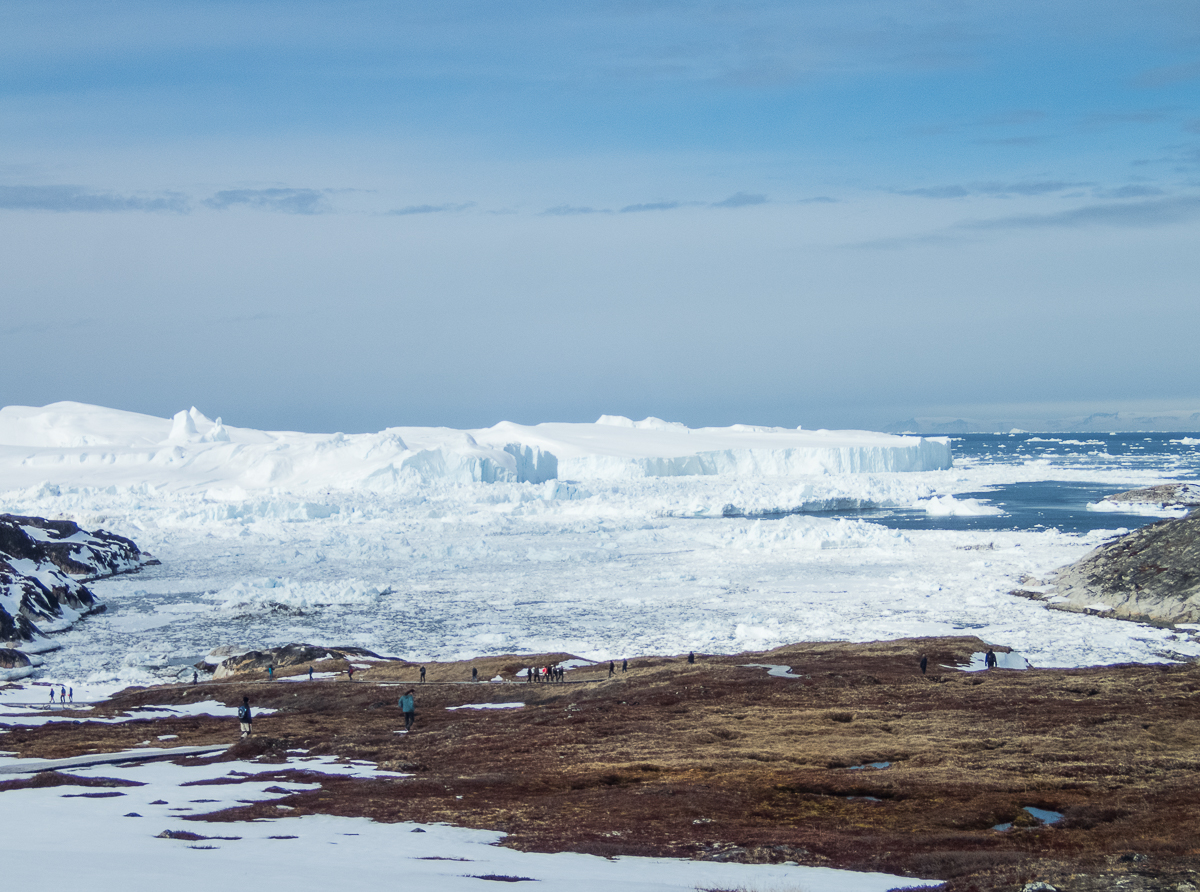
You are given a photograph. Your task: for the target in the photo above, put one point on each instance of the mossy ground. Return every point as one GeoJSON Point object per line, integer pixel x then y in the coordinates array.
{"type": "Point", "coordinates": [714, 760]}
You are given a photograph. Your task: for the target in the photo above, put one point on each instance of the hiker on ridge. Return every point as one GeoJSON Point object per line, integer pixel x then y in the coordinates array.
{"type": "Point", "coordinates": [245, 718]}
{"type": "Point", "coordinates": [408, 705]}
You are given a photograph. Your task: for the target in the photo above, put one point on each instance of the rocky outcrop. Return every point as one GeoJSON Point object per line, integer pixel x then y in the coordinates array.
{"type": "Point", "coordinates": [68, 547]}
{"type": "Point", "coordinates": [1151, 573]}
{"type": "Point", "coordinates": [287, 655]}
{"type": "Point", "coordinates": [1169, 495]}
{"type": "Point", "coordinates": [14, 664]}
{"type": "Point", "coordinates": [38, 560]}
{"type": "Point", "coordinates": [13, 659]}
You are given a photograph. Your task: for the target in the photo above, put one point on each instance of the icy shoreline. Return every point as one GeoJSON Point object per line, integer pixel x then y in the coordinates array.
{"type": "Point", "coordinates": [601, 567]}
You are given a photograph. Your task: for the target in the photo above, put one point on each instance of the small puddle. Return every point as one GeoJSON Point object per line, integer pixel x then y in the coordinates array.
{"type": "Point", "coordinates": [1003, 661]}
{"type": "Point", "coordinates": [775, 671]}
{"type": "Point", "coordinates": [863, 799]}
{"type": "Point", "coordinates": [876, 765]}
{"type": "Point", "coordinates": [1044, 815]}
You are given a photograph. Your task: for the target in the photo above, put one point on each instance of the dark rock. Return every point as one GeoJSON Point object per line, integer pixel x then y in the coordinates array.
{"type": "Point", "coordinates": [64, 544]}
{"type": "Point", "coordinates": [47, 592]}
{"type": "Point", "coordinates": [287, 655]}
{"type": "Point", "coordinates": [181, 834]}
{"type": "Point", "coordinates": [12, 659]}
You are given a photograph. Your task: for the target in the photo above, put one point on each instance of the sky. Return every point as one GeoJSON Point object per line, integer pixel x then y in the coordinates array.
{"type": "Point", "coordinates": [347, 216]}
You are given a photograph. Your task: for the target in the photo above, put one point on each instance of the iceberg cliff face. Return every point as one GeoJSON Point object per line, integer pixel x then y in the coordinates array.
{"type": "Point", "coordinates": [75, 444]}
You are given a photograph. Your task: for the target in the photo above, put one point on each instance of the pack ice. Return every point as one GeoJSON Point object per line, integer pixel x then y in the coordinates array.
{"type": "Point", "coordinates": [605, 540]}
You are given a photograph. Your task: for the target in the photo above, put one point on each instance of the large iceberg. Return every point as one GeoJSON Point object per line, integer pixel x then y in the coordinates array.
{"type": "Point", "coordinates": [76, 444]}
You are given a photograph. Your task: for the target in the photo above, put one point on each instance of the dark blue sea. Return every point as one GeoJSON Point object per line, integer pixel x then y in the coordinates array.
{"type": "Point", "coordinates": [1057, 503]}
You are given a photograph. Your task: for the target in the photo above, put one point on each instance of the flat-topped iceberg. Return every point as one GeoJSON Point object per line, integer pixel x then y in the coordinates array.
{"type": "Point", "coordinates": [77, 444]}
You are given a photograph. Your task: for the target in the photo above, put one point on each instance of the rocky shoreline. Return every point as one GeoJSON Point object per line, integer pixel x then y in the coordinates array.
{"type": "Point", "coordinates": [43, 567]}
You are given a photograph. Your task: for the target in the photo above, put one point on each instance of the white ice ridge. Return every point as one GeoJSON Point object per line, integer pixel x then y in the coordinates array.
{"type": "Point", "coordinates": [70, 443]}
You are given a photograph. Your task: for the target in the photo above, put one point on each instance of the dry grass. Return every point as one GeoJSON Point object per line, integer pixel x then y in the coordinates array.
{"type": "Point", "coordinates": [718, 761]}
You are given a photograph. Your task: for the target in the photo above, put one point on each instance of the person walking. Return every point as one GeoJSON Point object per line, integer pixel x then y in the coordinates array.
{"type": "Point", "coordinates": [474, 674]}
{"type": "Point", "coordinates": [51, 695]}
{"type": "Point", "coordinates": [989, 661]}
{"type": "Point", "coordinates": [245, 719]}
{"type": "Point", "coordinates": [625, 665]}
{"type": "Point", "coordinates": [422, 675]}
{"type": "Point", "coordinates": [691, 657]}
{"type": "Point", "coordinates": [408, 705]}
{"type": "Point", "coordinates": [924, 663]}
{"type": "Point", "coordinates": [195, 676]}
{"type": "Point", "coordinates": [71, 694]}
{"type": "Point", "coordinates": [350, 671]}
{"type": "Point", "coordinates": [612, 668]}
{"type": "Point", "coordinates": [271, 673]}
{"type": "Point", "coordinates": [310, 673]}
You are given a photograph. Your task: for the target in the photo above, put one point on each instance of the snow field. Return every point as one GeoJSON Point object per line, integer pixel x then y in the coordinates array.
{"type": "Point", "coordinates": [110, 851]}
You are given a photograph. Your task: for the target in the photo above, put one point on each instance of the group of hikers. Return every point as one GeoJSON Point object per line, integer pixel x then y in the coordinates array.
{"type": "Point", "coordinates": [65, 695]}
{"type": "Point", "coordinates": [550, 673]}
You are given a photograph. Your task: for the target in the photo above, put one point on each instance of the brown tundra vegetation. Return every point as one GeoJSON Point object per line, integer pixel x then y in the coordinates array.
{"type": "Point", "coordinates": [861, 762]}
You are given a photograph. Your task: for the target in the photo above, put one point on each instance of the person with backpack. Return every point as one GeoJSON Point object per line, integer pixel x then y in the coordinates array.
{"type": "Point", "coordinates": [245, 718]}
{"type": "Point", "coordinates": [408, 705]}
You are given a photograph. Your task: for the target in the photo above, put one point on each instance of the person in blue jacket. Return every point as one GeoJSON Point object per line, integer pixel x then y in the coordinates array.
{"type": "Point", "coordinates": [245, 719]}
{"type": "Point", "coordinates": [409, 707]}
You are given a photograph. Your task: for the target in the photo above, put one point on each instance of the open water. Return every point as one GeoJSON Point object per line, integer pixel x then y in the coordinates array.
{"type": "Point", "coordinates": [1050, 503]}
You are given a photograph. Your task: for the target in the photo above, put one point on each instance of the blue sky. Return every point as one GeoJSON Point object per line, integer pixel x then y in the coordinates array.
{"type": "Point", "coordinates": [343, 216]}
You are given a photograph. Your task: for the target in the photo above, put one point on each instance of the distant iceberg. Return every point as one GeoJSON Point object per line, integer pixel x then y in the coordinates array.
{"type": "Point", "coordinates": [77, 444]}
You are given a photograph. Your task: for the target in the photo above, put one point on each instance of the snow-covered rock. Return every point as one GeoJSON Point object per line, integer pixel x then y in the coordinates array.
{"type": "Point", "coordinates": [38, 559]}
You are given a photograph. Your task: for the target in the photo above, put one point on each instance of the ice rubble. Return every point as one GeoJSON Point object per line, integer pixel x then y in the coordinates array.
{"type": "Point", "coordinates": [395, 541]}
{"type": "Point", "coordinates": [78, 444]}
